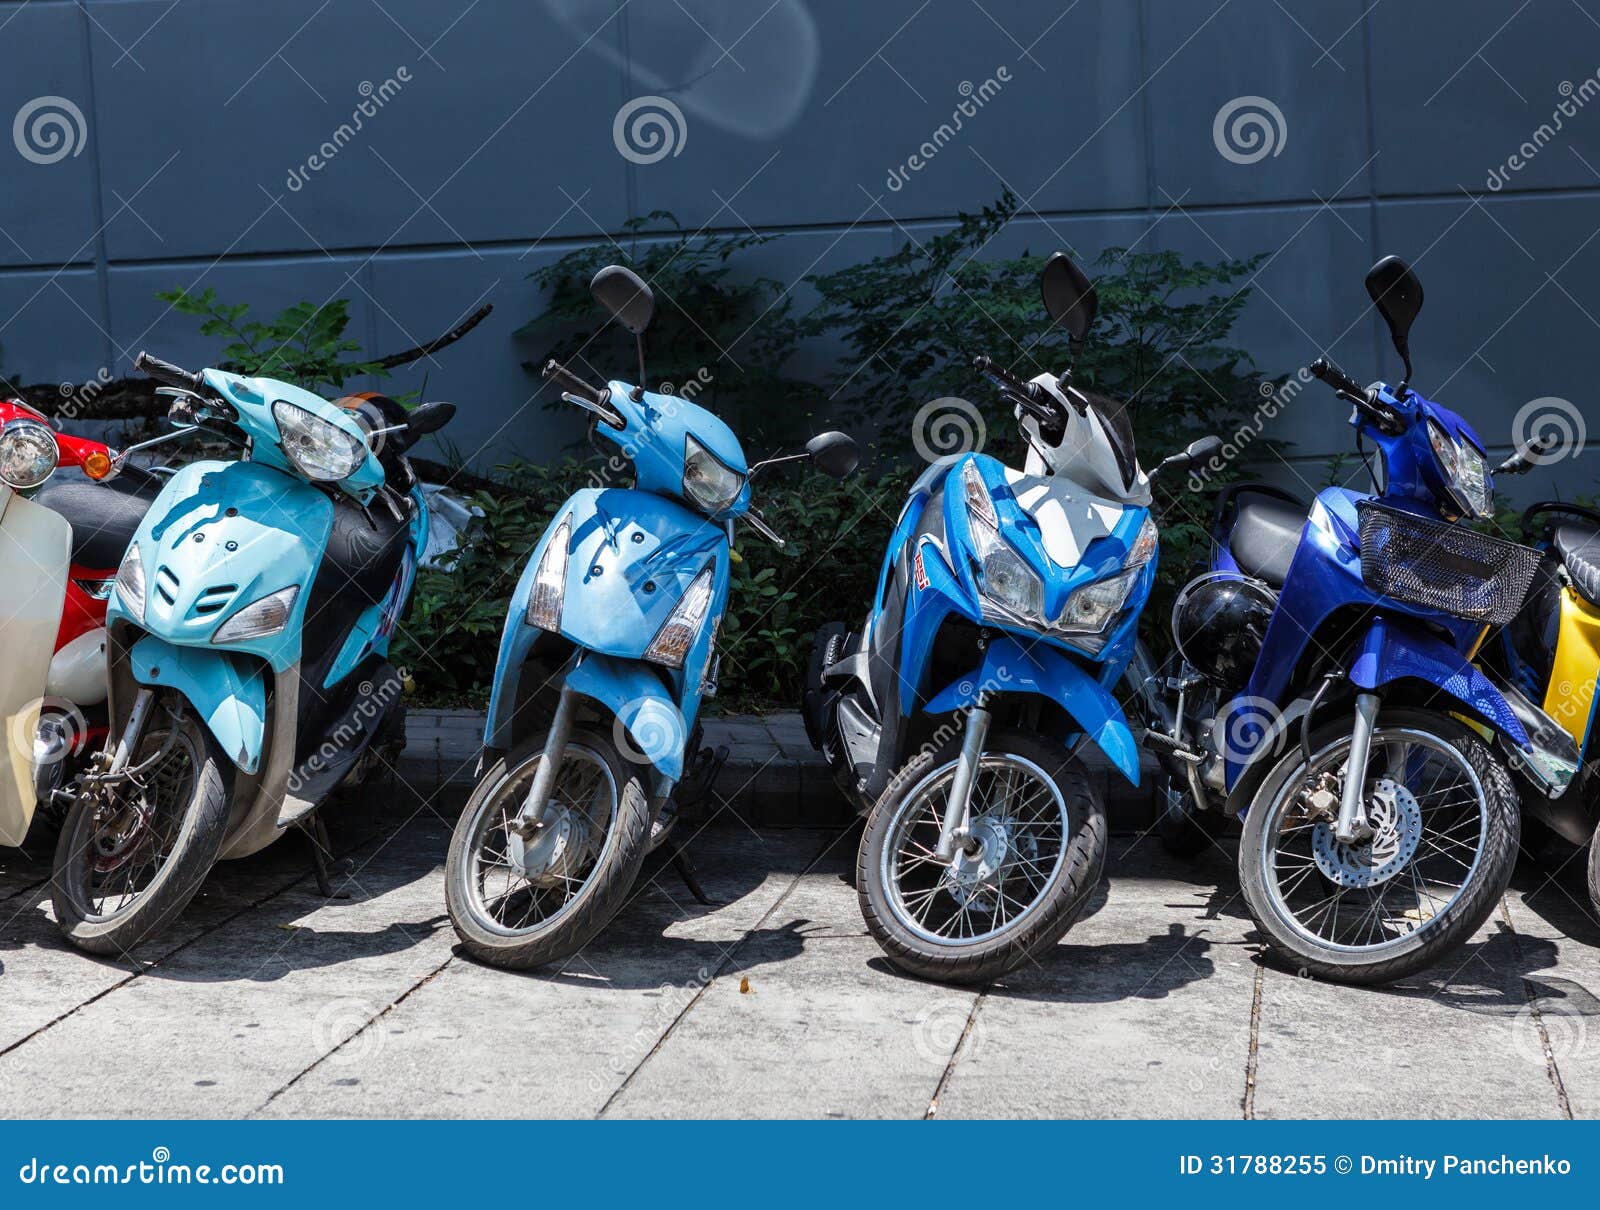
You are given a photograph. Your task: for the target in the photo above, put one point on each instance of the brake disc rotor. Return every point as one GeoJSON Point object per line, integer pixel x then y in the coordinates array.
{"type": "Point", "coordinates": [1396, 822]}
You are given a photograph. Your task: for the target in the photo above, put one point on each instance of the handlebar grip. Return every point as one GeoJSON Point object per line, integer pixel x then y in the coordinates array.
{"type": "Point", "coordinates": [165, 371]}
{"type": "Point", "coordinates": [1336, 378]}
{"type": "Point", "coordinates": [569, 382]}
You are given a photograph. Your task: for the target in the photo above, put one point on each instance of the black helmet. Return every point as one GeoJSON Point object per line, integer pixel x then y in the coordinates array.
{"type": "Point", "coordinates": [1218, 622]}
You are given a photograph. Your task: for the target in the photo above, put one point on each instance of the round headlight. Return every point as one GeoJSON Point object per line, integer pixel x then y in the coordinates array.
{"type": "Point", "coordinates": [319, 450]}
{"type": "Point", "coordinates": [28, 453]}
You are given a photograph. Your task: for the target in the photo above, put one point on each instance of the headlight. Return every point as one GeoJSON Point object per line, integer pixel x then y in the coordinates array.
{"type": "Point", "coordinates": [28, 453]}
{"type": "Point", "coordinates": [678, 633]}
{"type": "Point", "coordinates": [260, 618]}
{"type": "Point", "coordinates": [130, 583]}
{"type": "Point", "coordinates": [320, 450]}
{"type": "Point", "coordinates": [550, 581]}
{"type": "Point", "coordinates": [1006, 581]}
{"type": "Point", "coordinates": [1466, 473]}
{"type": "Point", "coordinates": [1090, 608]}
{"type": "Point", "coordinates": [706, 480]}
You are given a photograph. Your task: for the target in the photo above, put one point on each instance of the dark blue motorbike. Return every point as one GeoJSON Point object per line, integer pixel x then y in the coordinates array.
{"type": "Point", "coordinates": [1325, 689]}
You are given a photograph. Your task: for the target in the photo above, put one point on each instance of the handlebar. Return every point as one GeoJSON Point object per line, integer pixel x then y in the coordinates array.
{"type": "Point", "coordinates": [1032, 397]}
{"type": "Point", "coordinates": [569, 382]}
{"type": "Point", "coordinates": [1365, 401]}
{"type": "Point", "coordinates": [165, 371]}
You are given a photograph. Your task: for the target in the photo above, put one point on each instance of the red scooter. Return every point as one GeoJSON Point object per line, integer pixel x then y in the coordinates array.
{"type": "Point", "coordinates": [103, 517]}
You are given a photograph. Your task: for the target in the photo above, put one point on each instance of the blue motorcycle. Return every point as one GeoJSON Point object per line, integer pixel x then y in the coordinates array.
{"type": "Point", "coordinates": [1325, 689]}
{"type": "Point", "coordinates": [246, 637]}
{"type": "Point", "coordinates": [608, 651]}
{"type": "Point", "coordinates": [1006, 612]}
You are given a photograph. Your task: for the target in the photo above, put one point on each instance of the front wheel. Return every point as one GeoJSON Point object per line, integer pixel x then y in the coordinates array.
{"type": "Point", "coordinates": [1038, 849]}
{"type": "Point", "coordinates": [520, 903]}
{"type": "Point", "coordinates": [132, 856]}
{"type": "Point", "coordinates": [1445, 826]}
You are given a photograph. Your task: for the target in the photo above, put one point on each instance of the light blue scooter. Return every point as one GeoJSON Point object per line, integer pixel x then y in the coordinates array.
{"type": "Point", "coordinates": [247, 637]}
{"type": "Point", "coordinates": [608, 652]}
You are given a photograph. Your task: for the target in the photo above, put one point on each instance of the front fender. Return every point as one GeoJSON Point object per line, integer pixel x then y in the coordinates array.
{"type": "Point", "coordinates": [1009, 668]}
{"type": "Point", "coordinates": [1392, 650]}
{"type": "Point", "coordinates": [640, 702]}
{"type": "Point", "coordinates": [223, 689]}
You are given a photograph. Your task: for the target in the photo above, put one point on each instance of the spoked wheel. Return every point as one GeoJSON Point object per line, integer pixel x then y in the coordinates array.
{"type": "Point", "coordinates": [520, 903]}
{"type": "Point", "coordinates": [132, 856]}
{"type": "Point", "coordinates": [1036, 851]}
{"type": "Point", "coordinates": [1443, 831]}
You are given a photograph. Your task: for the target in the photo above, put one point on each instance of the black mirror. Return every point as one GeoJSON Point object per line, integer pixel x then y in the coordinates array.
{"type": "Point", "coordinates": [1397, 293]}
{"type": "Point", "coordinates": [1195, 453]}
{"type": "Point", "coordinates": [835, 454]}
{"type": "Point", "coordinates": [623, 293]}
{"type": "Point", "coordinates": [430, 418]}
{"type": "Point", "coordinates": [1069, 296]}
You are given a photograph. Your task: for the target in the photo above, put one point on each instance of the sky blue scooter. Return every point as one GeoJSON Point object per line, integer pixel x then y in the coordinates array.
{"type": "Point", "coordinates": [609, 649]}
{"type": "Point", "coordinates": [247, 636]}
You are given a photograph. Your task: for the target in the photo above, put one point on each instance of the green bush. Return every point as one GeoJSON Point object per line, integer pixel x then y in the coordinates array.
{"type": "Point", "coordinates": [912, 319]}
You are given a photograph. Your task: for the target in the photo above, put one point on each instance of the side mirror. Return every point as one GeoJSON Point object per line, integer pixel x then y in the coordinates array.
{"type": "Point", "coordinates": [1069, 296]}
{"type": "Point", "coordinates": [1397, 293]}
{"type": "Point", "coordinates": [835, 454]}
{"type": "Point", "coordinates": [430, 418]}
{"type": "Point", "coordinates": [623, 293]}
{"type": "Point", "coordinates": [1195, 452]}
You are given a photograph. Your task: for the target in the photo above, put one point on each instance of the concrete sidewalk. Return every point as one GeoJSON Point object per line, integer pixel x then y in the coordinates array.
{"type": "Point", "coordinates": [271, 1001]}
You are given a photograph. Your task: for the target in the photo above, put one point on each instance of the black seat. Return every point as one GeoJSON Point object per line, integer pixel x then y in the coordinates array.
{"type": "Point", "coordinates": [1578, 545]}
{"type": "Point", "coordinates": [1265, 535]}
{"type": "Point", "coordinates": [103, 516]}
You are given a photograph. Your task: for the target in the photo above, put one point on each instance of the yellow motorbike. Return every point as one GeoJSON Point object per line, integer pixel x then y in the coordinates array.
{"type": "Point", "coordinates": [1552, 652]}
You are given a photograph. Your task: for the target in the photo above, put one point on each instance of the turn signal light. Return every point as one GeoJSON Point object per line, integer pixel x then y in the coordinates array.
{"type": "Point", "coordinates": [97, 465]}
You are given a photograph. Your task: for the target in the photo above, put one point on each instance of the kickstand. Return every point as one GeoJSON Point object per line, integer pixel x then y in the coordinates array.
{"type": "Point", "coordinates": [686, 871]}
{"type": "Point", "coordinates": [322, 858]}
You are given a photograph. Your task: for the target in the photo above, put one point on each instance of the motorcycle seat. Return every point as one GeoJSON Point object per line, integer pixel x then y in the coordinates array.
{"type": "Point", "coordinates": [1578, 545]}
{"type": "Point", "coordinates": [1265, 535]}
{"type": "Point", "coordinates": [103, 516]}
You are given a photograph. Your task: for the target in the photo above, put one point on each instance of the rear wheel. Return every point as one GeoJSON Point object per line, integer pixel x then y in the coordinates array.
{"type": "Point", "coordinates": [130, 858]}
{"type": "Point", "coordinates": [1039, 846]}
{"type": "Point", "coordinates": [520, 904]}
{"type": "Point", "coordinates": [1445, 825]}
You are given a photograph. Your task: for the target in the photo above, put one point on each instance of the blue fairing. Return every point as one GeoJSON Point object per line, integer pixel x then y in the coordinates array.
{"type": "Point", "coordinates": [1397, 641]}
{"type": "Point", "coordinates": [654, 439]}
{"type": "Point", "coordinates": [1008, 667]}
{"type": "Point", "coordinates": [631, 556]}
{"type": "Point", "coordinates": [635, 695]}
{"type": "Point", "coordinates": [945, 583]}
{"type": "Point", "coordinates": [229, 693]}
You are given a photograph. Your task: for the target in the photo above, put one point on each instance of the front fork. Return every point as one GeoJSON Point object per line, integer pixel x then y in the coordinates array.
{"type": "Point", "coordinates": [954, 828]}
{"type": "Point", "coordinates": [1352, 825]}
{"type": "Point", "coordinates": [544, 778]}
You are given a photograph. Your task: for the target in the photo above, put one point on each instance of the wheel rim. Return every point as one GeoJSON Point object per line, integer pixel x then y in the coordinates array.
{"type": "Point", "coordinates": [134, 832]}
{"type": "Point", "coordinates": [516, 889]}
{"type": "Point", "coordinates": [1020, 820]}
{"type": "Point", "coordinates": [1431, 822]}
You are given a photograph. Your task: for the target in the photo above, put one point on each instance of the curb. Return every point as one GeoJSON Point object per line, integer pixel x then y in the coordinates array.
{"type": "Point", "coordinates": [773, 778]}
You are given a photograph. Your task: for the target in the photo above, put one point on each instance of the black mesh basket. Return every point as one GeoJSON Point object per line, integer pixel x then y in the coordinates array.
{"type": "Point", "coordinates": [1441, 566]}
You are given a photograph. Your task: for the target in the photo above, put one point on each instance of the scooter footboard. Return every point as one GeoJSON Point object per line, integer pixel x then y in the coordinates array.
{"type": "Point", "coordinates": [654, 726]}
{"type": "Point", "coordinates": [1009, 668]}
{"type": "Point", "coordinates": [229, 696]}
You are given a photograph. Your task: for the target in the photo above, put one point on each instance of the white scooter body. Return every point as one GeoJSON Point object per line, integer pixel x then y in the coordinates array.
{"type": "Point", "coordinates": [35, 552]}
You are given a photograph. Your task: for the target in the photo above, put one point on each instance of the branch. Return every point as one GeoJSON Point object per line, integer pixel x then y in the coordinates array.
{"type": "Point", "coordinates": [438, 342]}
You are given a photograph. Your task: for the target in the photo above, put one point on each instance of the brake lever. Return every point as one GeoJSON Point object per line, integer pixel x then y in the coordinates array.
{"type": "Point", "coordinates": [762, 528]}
